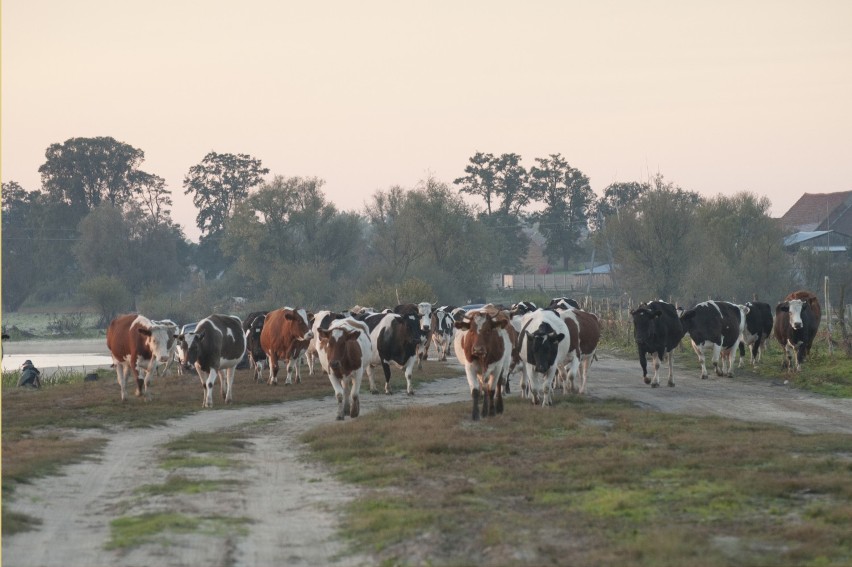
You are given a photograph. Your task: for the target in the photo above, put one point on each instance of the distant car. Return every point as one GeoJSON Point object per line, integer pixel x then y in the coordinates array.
{"type": "Point", "coordinates": [473, 306]}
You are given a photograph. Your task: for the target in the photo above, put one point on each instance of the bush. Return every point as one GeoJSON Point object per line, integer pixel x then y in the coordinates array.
{"type": "Point", "coordinates": [383, 294]}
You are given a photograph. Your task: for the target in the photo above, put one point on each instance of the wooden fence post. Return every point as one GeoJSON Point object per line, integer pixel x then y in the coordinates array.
{"type": "Point", "coordinates": [828, 316]}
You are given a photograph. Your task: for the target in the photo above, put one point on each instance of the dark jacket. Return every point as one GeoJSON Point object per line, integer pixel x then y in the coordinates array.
{"type": "Point", "coordinates": [30, 376]}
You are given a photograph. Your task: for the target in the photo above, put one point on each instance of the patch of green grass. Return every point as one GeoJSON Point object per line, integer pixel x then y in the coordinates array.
{"type": "Point", "coordinates": [132, 531]}
{"type": "Point", "coordinates": [606, 483]}
{"type": "Point", "coordinates": [233, 441]}
{"type": "Point", "coordinates": [183, 485]}
{"type": "Point", "coordinates": [192, 462]}
{"type": "Point", "coordinates": [14, 522]}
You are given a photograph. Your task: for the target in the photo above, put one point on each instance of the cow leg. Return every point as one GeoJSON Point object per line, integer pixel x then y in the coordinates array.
{"type": "Point", "coordinates": [273, 369]}
{"type": "Point", "coordinates": [670, 357]}
{"type": "Point", "coordinates": [655, 361]}
{"type": "Point", "coordinates": [700, 352]}
{"type": "Point", "coordinates": [373, 389]}
{"type": "Point", "coordinates": [643, 362]}
{"type": "Point", "coordinates": [409, 370]}
{"type": "Point", "coordinates": [288, 381]}
{"type": "Point", "coordinates": [498, 403]}
{"type": "Point", "coordinates": [339, 394]}
{"type": "Point", "coordinates": [474, 394]}
{"type": "Point", "coordinates": [211, 381]}
{"type": "Point", "coordinates": [121, 376]}
{"type": "Point", "coordinates": [573, 373]}
{"type": "Point", "coordinates": [355, 395]}
{"type": "Point", "coordinates": [310, 355]}
{"type": "Point", "coordinates": [386, 370]}
{"type": "Point", "coordinates": [229, 375]}
{"type": "Point", "coordinates": [717, 353]}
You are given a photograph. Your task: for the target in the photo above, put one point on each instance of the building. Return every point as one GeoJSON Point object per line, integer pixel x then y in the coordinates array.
{"type": "Point", "coordinates": [820, 212]}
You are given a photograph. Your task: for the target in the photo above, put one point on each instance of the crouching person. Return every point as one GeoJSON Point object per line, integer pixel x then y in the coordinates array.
{"type": "Point", "coordinates": [30, 376]}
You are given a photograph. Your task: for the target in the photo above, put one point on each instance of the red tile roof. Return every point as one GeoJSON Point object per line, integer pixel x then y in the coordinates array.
{"type": "Point", "coordinates": [812, 209]}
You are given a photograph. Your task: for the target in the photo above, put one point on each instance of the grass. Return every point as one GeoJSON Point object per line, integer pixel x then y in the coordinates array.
{"type": "Point", "coordinates": [596, 482]}
{"type": "Point", "coordinates": [132, 531]}
{"type": "Point", "coordinates": [62, 323]}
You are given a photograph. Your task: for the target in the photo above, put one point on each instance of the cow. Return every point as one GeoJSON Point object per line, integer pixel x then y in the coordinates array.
{"type": "Point", "coordinates": [135, 343]}
{"type": "Point", "coordinates": [346, 351]}
{"type": "Point", "coordinates": [483, 346]}
{"type": "Point", "coordinates": [218, 345]}
{"type": "Point", "coordinates": [716, 324]}
{"type": "Point", "coordinates": [182, 346]}
{"type": "Point", "coordinates": [586, 328]}
{"type": "Point", "coordinates": [423, 312]}
{"type": "Point", "coordinates": [563, 303]}
{"type": "Point", "coordinates": [544, 344]}
{"type": "Point", "coordinates": [657, 330]}
{"type": "Point", "coordinates": [253, 328]}
{"type": "Point", "coordinates": [322, 320]}
{"type": "Point", "coordinates": [758, 329]}
{"type": "Point", "coordinates": [285, 336]}
{"type": "Point", "coordinates": [442, 326]}
{"type": "Point", "coordinates": [172, 330]}
{"type": "Point", "coordinates": [394, 339]}
{"type": "Point", "coordinates": [797, 320]}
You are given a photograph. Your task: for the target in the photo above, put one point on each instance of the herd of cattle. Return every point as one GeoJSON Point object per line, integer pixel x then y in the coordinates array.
{"type": "Point", "coordinates": [551, 345]}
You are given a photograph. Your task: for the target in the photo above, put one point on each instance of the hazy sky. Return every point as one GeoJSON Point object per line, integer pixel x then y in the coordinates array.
{"type": "Point", "coordinates": [719, 96]}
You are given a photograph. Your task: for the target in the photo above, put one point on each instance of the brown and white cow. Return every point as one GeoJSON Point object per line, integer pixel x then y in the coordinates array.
{"type": "Point", "coordinates": [136, 343]}
{"type": "Point", "coordinates": [587, 330]}
{"type": "Point", "coordinates": [322, 320]}
{"type": "Point", "coordinates": [483, 346]}
{"type": "Point", "coordinates": [286, 335]}
{"type": "Point", "coordinates": [346, 351]}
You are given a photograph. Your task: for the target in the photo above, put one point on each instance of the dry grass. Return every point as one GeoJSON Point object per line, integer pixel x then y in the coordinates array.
{"type": "Point", "coordinates": [591, 483]}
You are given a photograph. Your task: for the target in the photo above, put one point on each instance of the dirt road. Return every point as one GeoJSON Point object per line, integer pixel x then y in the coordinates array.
{"type": "Point", "coordinates": [294, 505]}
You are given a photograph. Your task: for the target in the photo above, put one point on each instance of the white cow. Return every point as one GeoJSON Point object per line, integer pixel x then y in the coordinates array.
{"type": "Point", "coordinates": [345, 351]}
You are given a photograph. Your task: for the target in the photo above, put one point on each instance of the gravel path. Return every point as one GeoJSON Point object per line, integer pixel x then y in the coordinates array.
{"type": "Point", "coordinates": [293, 504]}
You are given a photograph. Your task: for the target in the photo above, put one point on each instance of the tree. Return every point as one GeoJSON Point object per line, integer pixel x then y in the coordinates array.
{"type": "Point", "coordinates": [393, 239]}
{"type": "Point", "coordinates": [217, 184]}
{"type": "Point", "coordinates": [37, 237]}
{"type": "Point", "coordinates": [480, 179]}
{"type": "Point", "coordinates": [83, 172]}
{"type": "Point", "coordinates": [568, 198]}
{"type": "Point", "coordinates": [153, 196]}
{"type": "Point", "coordinates": [108, 294]}
{"type": "Point", "coordinates": [616, 197]}
{"type": "Point", "coordinates": [650, 240]}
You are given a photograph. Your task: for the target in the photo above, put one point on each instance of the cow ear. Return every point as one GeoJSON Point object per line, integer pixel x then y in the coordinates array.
{"type": "Point", "coordinates": [144, 331]}
{"type": "Point", "coordinates": [290, 316]}
{"type": "Point", "coordinates": [464, 325]}
{"type": "Point", "coordinates": [351, 335]}
{"type": "Point", "coordinates": [560, 337]}
{"type": "Point", "coordinates": [783, 307]}
{"type": "Point", "coordinates": [501, 323]}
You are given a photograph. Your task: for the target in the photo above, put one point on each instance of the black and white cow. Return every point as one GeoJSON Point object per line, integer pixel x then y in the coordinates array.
{"type": "Point", "coordinates": [423, 312]}
{"type": "Point", "coordinates": [217, 347]}
{"type": "Point", "coordinates": [253, 327]}
{"type": "Point", "coordinates": [442, 327]}
{"type": "Point", "coordinates": [716, 324]}
{"type": "Point", "coordinates": [544, 346]}
{"type": "Point", "coordinates": [395, 339]}
{"type": "Point", "coordinates": [657, 330]}
{"type": "Point", "coordinates": [758, 328]}
{"type": "Point", "coordinates": [563, 303]}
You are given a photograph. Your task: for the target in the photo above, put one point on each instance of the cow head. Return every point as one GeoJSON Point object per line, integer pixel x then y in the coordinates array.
{"type": "Point", "coordinates": [183, 344]}
{"type": "Point", "coordinates": [643, 321]}
{"type": "Point", "coordinates": [484, 330]}
{"type": "Point", "coordinates": [424, 310]}
{"type": "Point", "coordinates": [543, 346]}
{"type": "Point", "coordinates": [301, 324]}
{"type": "Point", "coordinates": [340, 345]}
{"type": "Point", "coordinates": [795, 307]}
{"type": "Point", "coordinates": [156, 338]}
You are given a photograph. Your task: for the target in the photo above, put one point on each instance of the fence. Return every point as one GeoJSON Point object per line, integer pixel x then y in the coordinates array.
{"type": "Point", "coordinates": [542, 282]}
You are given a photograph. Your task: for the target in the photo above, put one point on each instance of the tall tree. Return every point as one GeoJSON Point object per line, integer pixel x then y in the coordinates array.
{"type": "Point", "coordinates": [153, 197]}
{"type": "Point", "coordinates": [616, 197]}
{"type": "Point", "coordinates": [480, 179]}
{"type": "Point", "coordinates": [217, 184]}
{"type": "Point", "coordinates": [392, 238]}
{"type": "Point", "coordinates": [83, 172]}
{"type": "Point", "coordinates": [650, 240]}
{"type": "Point", "coordinates": [568, 198]}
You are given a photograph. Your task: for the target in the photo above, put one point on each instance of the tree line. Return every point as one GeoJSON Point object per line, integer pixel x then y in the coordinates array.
{"type": "Point", "coordinates": [101, 227]}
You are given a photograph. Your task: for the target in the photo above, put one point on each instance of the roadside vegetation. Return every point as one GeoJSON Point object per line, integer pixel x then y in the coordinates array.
{"type": "Point", "coordinates": [606, 483]}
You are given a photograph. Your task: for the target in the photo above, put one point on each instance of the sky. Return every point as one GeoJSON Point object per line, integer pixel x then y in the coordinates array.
{"type": "Point", "coordinates": [719, 97]}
